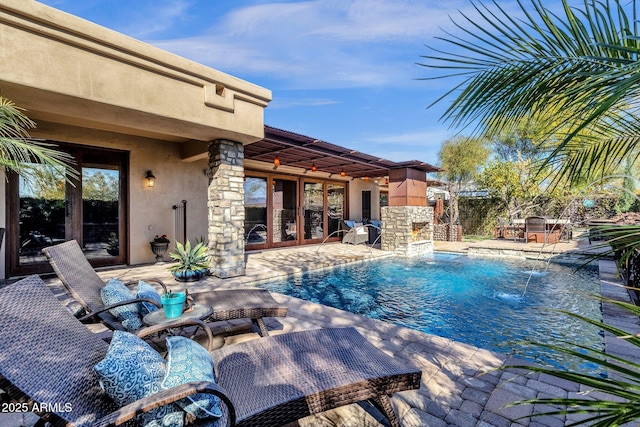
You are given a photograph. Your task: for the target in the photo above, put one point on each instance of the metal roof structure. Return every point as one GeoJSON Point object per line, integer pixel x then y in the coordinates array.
{"type": "Point", "coordinates": [304, 152]}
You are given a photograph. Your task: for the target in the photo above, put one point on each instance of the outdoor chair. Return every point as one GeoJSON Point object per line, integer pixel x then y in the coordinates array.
{"type": "Point", "coordinates": [536, 229]}
{"type": "Point", "coordinates": [356, 232]}
{"type": "Point", "coordinates": [47, 359]}
{"type": "Point", "coordinates": [84, 285]}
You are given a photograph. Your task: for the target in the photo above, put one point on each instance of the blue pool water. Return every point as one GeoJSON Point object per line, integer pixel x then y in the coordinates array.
{"type": "Point", "coordinates": [476, 301]}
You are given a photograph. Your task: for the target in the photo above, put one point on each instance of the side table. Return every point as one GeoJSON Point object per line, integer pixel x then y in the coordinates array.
{"type": "Point", "coordinates": [197, 311]}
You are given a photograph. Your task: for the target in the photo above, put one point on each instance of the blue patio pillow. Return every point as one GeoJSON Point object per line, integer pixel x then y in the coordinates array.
{"type": "Point", "coordinates": [131, 370]}
{"type": "Point", "coordinates": [350, 224]}
{"type": "Point", "coordinates": [147, 291]}
{"type": "Point", "coordinates": [188, 361]}
{"type": "Point", "coordinates": [115, 291]}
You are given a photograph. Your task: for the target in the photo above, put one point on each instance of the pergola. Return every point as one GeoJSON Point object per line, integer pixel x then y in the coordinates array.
{"type": "Point", "coordinates": [303, 152]}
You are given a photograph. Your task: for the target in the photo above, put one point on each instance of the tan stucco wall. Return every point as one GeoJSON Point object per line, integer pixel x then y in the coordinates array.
{"type": "Point", "coordinates": [356, 187]}
{"type": "Point", "coordinates": [86, 84]}
{"type": "Point", "coordinates": [68, 70]}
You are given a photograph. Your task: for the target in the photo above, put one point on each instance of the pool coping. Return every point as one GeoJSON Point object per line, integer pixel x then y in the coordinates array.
{"type": "Point", "coordinates": [460, 385]}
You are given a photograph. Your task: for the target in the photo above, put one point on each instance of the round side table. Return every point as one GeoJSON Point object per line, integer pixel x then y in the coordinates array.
{"type": "Point", "coordinates": [197, 311]}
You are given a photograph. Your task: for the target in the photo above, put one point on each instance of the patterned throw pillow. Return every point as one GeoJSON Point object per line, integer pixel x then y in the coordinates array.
{"type": "Point", "coordinates": [131, 370]}
{"type": "Point", "coordinates": [188, 361]}
{"type": "Point", "coordinates": [115, 291]}
{"type": "Point", "coordinates": [147, 291]}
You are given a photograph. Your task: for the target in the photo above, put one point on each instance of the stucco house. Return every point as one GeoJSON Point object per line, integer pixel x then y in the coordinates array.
{"type": "Point", "coordinates": [168, 146]}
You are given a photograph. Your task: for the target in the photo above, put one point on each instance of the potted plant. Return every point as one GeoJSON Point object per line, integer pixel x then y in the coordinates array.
{"type": "Point", "coordinates": [159, 246]}
{"type": "Point", "coordinates": [113, 245]}
{"type": "Point", "coordinates": [192, 262]}
{"type": "Point", "coordinates": [173, 304]}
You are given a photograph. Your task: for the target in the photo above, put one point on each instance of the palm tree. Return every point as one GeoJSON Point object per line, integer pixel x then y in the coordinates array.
{"type": "Point", "coordinates": [18, 152]}
{"type": "Point", "coordinates": [582, 68]}
{"type": "Point", "coordinates": [581, 65]}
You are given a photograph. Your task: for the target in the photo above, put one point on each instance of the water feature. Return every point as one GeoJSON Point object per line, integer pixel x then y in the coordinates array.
{"type": "Point", "coordinates": [475, 301]}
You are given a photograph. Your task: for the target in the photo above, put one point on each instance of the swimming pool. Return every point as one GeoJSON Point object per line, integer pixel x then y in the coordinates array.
{"type": "Point", "coordinates": [483, 302]}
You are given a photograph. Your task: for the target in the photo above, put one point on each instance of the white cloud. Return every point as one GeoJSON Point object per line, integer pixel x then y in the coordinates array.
{"type": "Point", "coordinates": [319, 44]}
{"type": "Point", "coordinates": [145, 23]}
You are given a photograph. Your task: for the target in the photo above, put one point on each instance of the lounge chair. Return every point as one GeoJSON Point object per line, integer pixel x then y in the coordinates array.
{"type": "Point", "coordinates": [356, 232]}
{"type": "Point", "coordinates": [84, 285]}
{"type": "Point", "coordinates": [47, 359]}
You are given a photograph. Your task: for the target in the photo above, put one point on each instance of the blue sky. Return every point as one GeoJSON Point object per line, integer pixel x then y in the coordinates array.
{"type": "Point", "coordinates": [343, 71]}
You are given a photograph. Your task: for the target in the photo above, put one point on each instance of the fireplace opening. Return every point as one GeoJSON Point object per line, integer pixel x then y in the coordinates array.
{"type": "Point", "coordinates": [420, 231]}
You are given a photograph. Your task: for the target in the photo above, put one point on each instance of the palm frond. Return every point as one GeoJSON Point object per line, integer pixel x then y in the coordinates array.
{"type": "Point", "coordinates": [583, 62]}
{"type": "Point", "coordinates": [623, 389]}
{"type": "Point", "coordinates": [18, 152]}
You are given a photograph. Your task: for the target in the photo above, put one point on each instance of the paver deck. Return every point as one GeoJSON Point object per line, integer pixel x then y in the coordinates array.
{"type": "Point", "coordinates": [460, 383]}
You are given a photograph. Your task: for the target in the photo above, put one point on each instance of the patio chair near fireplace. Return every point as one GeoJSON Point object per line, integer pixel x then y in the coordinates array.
{"type": "Point", "coordinates": [356, 232]}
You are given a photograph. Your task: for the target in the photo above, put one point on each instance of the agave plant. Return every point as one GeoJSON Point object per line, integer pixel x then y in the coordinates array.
{"type": "Point", "coordinates": [190, 258]}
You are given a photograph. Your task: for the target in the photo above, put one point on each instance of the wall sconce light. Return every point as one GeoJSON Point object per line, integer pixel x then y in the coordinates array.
{"type": "Point", "coordinates": [313, 167]}
{"type": "Point", "coordinates": [343, 173]}
{"type": "Point", "coordinates": [149, 179]}
{"type": "Point", "coordinates": [276, 162]}
{"type": "Point", "coordinates": [366, 178]}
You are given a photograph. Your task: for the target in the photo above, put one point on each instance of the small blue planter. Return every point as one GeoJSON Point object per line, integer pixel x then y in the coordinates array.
{"type": "Point", "coordinates": [173, 304]}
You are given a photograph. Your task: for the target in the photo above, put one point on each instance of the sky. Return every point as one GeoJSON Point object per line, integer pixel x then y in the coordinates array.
{"type": "Point", "coordinates": [342, 71]}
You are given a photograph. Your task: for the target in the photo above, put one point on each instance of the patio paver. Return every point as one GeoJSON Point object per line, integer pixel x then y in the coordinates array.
{"type": "Point", "coordinates": [460, 386]}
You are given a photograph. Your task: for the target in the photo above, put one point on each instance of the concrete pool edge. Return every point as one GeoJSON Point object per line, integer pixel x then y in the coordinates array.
{"type": "Point", "coordinates": [453, 391]}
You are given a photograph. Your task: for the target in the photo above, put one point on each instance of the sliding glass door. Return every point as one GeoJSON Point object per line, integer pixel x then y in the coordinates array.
{"type": "Point", "coordinates": [255, 213]}
{"type": "Point", "coordinates": [314, 215]}
{"type": "Point", "coordinates": [284, 226]}
{"type": "Point", "coordinates": [283, 210]}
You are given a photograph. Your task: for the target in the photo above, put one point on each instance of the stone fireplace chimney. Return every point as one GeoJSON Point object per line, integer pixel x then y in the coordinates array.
{"type": "Point", "coordinates": [407, 223]}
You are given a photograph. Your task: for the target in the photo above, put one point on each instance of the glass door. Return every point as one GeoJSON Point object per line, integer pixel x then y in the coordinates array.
{"type": "Point", "coordinates": [284, 225]}
{"type": "Point", "coordinates": [91, 210]}
{"type": "Point", "coordinates": [101, 233]}
{"type": "Point", "coordinates": [255, 213]}
{"type": "Point", "coordinates": [42, 219]}
{"type": "Point", "coordinates": [336, 209]}
{"type": "Point", "coordinates": [313, 208]}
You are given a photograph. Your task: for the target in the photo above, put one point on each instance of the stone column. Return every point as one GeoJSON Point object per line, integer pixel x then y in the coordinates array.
{"type": "Point", "coordinates": [226, 208]}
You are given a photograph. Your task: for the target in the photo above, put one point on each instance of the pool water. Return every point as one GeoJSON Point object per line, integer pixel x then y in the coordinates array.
{"type": "Point", "coordinates": [491, 304]}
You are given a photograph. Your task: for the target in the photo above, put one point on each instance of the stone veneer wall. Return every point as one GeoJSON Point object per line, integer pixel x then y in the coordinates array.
{"type": "Point", "coordinates": [397, 229]}
{"type": "Point", "coordinates": [226, 208]}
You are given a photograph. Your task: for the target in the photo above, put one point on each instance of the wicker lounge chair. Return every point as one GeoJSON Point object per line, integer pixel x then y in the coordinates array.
{"type": "Point", "coordinates": [47, 358]}
{"type": "Point", "coordinates": [84, 284]}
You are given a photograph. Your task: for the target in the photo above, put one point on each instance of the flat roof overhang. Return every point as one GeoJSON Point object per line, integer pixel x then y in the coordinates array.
{"type": "Point", "coordinates": [66, 70]}
{"type": "Point", "coordinates": [300, 151]}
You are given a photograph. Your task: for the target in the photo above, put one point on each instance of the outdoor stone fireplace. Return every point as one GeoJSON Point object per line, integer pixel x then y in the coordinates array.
{"type": "Point", "coordinates": [407, 230]}
{"type": "Point", "coordinates": [407, 223]}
